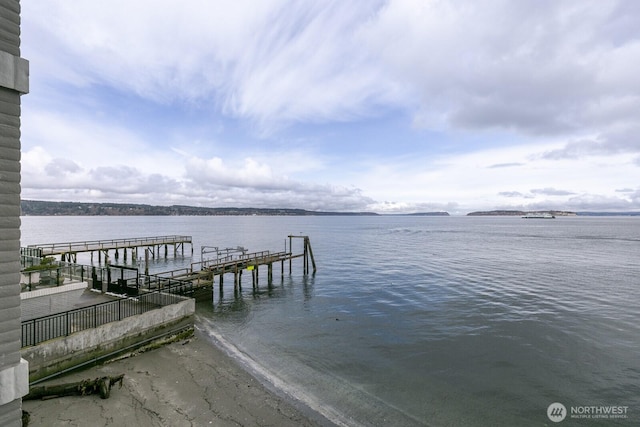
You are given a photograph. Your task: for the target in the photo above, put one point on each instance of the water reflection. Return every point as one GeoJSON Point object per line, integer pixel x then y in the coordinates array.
{"type": "Point", "coordinates": [236, 301]}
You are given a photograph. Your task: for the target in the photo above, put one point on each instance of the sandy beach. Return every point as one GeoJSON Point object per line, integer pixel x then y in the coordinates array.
{"type": "Point", "coordinates": [189, 382]}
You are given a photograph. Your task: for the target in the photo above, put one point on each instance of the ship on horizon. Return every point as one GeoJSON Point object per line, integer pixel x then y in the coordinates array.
{"type": "Point", "coordinates": [539, 215]}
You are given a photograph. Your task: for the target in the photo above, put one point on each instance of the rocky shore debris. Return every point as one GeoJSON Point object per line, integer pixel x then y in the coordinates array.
{"type": "Point", "coordinates": [82, 388]}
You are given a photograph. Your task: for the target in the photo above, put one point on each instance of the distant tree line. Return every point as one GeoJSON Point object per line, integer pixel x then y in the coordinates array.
{"type": "Point", "coordinates": [46, 208]}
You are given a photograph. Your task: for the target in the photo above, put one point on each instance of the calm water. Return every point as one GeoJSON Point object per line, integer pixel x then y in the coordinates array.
{"type": "Point", "coordinates": [423, 321]}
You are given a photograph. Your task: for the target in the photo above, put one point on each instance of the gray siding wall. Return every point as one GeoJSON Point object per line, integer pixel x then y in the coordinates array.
{"type": "Point", "coordinates": [9, 227]}
{"type": "Point", "coordinates": [10, 26]}
{"type": "Point", "coordinates": [10, 411]}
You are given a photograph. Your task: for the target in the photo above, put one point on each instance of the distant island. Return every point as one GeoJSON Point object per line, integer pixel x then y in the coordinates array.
{"type": "Point", "coordinates": [46, 208]}
{"type": "Point", "coordinates": [519, 213]}
{"type": "Point", "coordinates": [552, 212]}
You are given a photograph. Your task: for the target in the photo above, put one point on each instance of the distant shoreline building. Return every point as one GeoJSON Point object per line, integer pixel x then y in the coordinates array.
{"type": "Point", "coordinates": [14, 82]}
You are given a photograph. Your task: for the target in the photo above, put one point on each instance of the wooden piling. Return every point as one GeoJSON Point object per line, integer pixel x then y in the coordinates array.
{"type": "Point", "coordinates": [309, 251]}
{"type": "Point", "coordinates": [291, 252]}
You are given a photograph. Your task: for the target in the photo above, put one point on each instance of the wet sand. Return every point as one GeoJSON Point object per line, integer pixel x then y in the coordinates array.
{"type": "Point", "coordinates": [186, 383]}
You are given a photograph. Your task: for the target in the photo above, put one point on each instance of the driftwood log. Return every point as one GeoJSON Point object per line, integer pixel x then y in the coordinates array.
{"type": "Point", "coordinates": [83, 388]}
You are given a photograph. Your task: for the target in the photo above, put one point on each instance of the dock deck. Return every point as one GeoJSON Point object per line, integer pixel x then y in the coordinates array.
{"type": "Point", "coordinates": [69, 250]}
{"type": "Point", "coordinates": [203, 273]}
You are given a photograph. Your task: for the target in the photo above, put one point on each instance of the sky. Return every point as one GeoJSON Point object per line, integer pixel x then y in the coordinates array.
{"type": "Point", "coordinates": [395, 106]}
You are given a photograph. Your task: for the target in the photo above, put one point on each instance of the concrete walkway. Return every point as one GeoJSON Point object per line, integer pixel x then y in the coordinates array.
{"type": "Point", "coordinates": [46, 301]}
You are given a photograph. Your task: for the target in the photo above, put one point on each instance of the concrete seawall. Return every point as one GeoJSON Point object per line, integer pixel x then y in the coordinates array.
{"type": "Point", "coordinates": [62, 354]}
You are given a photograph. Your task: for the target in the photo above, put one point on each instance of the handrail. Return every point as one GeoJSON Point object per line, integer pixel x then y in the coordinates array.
{"type": "Point", "coordinates": [100, 244]}
{"type": "Point", "coordinates": [40, 329]}
{"type": "Point", "coordinates": [248, 259]}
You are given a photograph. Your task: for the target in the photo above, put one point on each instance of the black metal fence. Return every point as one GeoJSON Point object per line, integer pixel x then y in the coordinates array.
{"type": "Point", "coordinates": [30, 257]}
{"type": "Point", "coordinates": [57, 274]}
{"type": "Point", "coordinates": [167, 284]}
{"type": "Point", "coordinates": [45, 328]}
{"type": "Point", "coordinates": [121, 280]}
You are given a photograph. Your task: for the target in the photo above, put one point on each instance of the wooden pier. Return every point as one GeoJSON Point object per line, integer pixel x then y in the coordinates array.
{"type": "Point", "coordinates": [236, 260]}
{"type": "Point", "coordinates": [152, 247]}
{"type": "Point", "coordinates": [184, 281]}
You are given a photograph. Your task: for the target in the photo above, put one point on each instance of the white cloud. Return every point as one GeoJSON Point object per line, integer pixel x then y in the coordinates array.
{"type": "Point", "coordinates": [517, 103]}
{"type": "Point", "coordinates": [531, 67]}
{"type": "Point", "coordinates": [252, 174]}
{"type": "Point", "coordinates": [511, 65]}
{"type": "Point", "coordinates": [273, 61]}
{"type": "Point", "coordinates": [61, 167]}
{"type": "Point", "coordinates": [471, 181]}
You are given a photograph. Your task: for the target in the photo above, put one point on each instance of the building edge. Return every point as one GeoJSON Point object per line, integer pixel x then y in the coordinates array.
{"type": "Point", "coordinates": [14, 82]}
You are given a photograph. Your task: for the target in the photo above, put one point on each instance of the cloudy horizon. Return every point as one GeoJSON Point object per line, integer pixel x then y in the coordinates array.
{"type": "Point", "coordinates": [392, 106]}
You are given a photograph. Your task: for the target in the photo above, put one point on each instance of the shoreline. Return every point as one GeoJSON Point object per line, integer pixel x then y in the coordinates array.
{"type": "Point", "coordinates": [190, 382]}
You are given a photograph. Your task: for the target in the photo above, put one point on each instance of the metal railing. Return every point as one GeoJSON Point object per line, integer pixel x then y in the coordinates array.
{"type": "Point", "coordinates": [170, 285]}
{"type": "Point", "coordinates": [38, 330]}
{"type": "Point", "coordinates": [60, 273]}
{"type": "Point", "coordinates": [49, 248]}
{"type": "Point", "coordinates": [255, 258]}
{"type": "Point", "coordinates": [56, 274]}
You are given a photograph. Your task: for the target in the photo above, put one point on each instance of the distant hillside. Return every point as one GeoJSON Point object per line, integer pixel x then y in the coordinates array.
{"type": "Point", "coordinates": [44, 208]}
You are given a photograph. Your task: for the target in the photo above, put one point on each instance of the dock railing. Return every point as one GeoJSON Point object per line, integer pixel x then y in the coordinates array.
{"type": "Point", "coordinates": [254, 258]}
{"type": "Point", "coordinates": [95, 245]}
{"type": "Point", "coordinates": [158, 283]}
